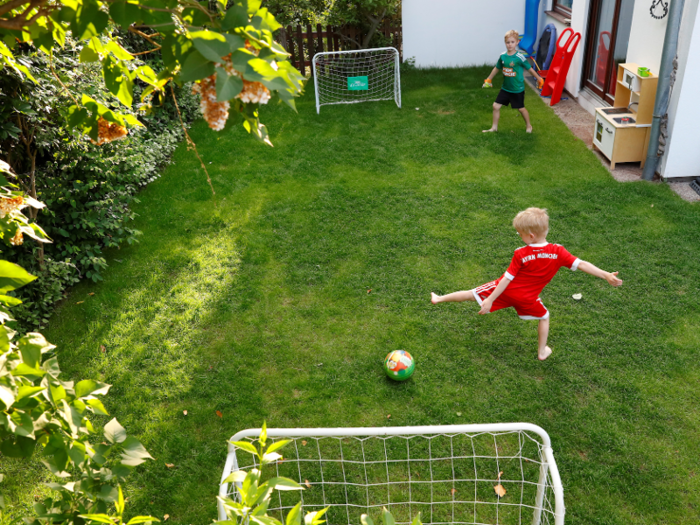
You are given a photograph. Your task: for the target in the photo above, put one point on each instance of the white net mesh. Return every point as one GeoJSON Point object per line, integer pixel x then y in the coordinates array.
{"type": "Point", "coordinates": [448, 478]}
{"type": "Point", "coordinates": [347, 77]}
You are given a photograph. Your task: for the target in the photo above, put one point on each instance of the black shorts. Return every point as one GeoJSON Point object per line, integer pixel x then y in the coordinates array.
{"type": "Point", "coordinates": [516, 100]}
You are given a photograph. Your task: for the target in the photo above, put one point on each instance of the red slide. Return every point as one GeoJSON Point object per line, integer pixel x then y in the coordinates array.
{"type": "Point", "coordinates": [556, 76]}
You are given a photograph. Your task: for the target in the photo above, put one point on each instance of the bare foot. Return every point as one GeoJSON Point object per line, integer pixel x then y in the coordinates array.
{"type": "Point", "coordinates": [544, 354]}
{"type": "Point", "coordinates": [528, 129]}
{"type": "Point", "coordinates": [491, 130]}
{"type": "Point", "coordinates": [434, 298]}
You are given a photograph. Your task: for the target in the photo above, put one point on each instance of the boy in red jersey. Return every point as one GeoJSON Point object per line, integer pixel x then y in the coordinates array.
{"type": "Point", "coordinates": [531, 269]}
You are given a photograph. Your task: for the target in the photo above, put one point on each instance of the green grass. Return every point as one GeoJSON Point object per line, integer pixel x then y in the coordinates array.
{"type": "Point", "coordinates": [259, 307]}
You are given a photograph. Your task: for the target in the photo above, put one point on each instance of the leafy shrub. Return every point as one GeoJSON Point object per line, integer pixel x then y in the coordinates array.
{"type": "Point", "coordinates": [88, 189]}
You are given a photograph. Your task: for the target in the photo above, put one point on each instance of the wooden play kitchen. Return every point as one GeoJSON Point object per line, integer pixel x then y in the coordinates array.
{"type": "Point", "coordinates": [622, 132]}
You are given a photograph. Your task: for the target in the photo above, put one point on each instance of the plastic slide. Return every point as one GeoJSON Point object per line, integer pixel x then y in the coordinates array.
{"type": "Point", "coordinates": [532, 14]}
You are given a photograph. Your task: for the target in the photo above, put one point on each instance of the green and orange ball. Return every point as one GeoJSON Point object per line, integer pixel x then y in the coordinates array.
{"type": "Point", "coordinates": [399, 365]}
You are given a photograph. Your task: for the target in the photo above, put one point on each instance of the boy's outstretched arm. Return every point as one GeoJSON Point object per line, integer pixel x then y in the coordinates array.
{"type": "Point", "coordinates": [589, 268]}
{"type": "Point", "coordinates": [487, 82]}
{"type": "Point", "coordinates": [488, 302]}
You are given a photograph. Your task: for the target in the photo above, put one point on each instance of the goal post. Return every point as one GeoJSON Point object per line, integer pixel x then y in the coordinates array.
{"type": "Point", "coordinates": [349, 77]}
{"type": "Point", "coordinates": [451, 474]}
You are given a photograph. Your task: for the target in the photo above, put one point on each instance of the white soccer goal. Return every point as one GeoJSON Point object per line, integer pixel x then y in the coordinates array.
{"type": "Point", "coordinates": [447, 473]}
{"type": "Point", "coordinates": [348, 77]}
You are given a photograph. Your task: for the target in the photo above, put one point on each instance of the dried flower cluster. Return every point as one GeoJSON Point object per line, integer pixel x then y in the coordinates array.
{"type": "Point", "coordinates": [215, 112]}
{"type": "Point", "coordinates": [17, 240]}
{"type": "Point", "coordinates": [9, 204]}
{"type": "Point", "coordinates": [108, 131]}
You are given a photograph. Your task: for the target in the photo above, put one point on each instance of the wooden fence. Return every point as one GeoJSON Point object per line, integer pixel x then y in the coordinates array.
{"type": "Point", "coordinates": [303, 45]}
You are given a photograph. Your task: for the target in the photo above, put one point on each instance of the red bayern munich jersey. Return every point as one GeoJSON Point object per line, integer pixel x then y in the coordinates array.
{"type": "Point", "coordinates": [533, 266]}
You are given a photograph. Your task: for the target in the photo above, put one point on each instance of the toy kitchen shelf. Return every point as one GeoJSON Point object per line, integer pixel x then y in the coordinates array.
{"type": "Point", "coordinates": [621, 132]}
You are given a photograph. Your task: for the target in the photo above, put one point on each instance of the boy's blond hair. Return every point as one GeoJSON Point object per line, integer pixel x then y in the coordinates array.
{"type": "Point", "coordinates": [512, 33]}
{"type": "Point", "coordinates": [532, 220]}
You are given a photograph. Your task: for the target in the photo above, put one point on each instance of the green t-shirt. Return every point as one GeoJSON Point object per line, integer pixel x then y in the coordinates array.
{"type": "Point", "coordinates": [512, 67]}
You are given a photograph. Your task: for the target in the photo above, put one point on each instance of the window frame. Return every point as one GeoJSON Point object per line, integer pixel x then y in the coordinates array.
{"type": "Point", "coordinates": [557, 8]}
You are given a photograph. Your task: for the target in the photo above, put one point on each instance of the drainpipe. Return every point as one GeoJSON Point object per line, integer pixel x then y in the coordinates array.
{"type": "Point", "coordinates": [663, 88]}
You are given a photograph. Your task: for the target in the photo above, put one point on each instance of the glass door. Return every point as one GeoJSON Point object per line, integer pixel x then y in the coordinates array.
{"type": "Point", "coordinates": [610, 22]}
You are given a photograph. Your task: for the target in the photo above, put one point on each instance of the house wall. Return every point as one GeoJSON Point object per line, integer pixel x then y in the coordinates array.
{"type": "Point", "coordinates": [682, 158]}
{"type": "Point", "coordinates": [646, 38]}
{"type": "Point", "coordinates": [452, 33]}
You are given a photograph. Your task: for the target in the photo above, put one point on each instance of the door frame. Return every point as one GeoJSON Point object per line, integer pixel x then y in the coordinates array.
{"type": "Point", "coordinates": [589, 52]}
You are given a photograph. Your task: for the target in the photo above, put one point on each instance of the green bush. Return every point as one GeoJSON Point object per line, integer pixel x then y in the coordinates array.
{"type": "Point", "coordinates": [88, 189]}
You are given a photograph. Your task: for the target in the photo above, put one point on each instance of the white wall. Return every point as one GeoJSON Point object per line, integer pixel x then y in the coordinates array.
{"type": "Point", "coordinates": [579, 23]}
{"type": "Point", "coordinates": [682, 158]}
{"type": "Point", "coordinates": [450, 33]}
{"type": "Point", "coordinates": [646, 37]}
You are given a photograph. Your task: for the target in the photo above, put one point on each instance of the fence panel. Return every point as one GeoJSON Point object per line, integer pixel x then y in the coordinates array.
{"type": "Point", "coordinates": [302, 44]}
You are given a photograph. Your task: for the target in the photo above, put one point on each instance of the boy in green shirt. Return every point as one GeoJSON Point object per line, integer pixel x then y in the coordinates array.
{"type": "Point", "coordinates": [512, 64]}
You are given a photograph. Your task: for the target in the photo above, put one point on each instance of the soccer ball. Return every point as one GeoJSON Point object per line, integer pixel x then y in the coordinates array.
{"type": "Point", "coordinates": [399, 365]}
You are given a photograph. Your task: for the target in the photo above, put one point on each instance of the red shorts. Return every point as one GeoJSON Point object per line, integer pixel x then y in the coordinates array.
{"type": "Point", "coordinates": [528, 311]}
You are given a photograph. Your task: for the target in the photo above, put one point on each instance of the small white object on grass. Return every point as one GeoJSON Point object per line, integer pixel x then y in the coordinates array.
{"type": "Point", "coordinates": [417, 109]}
{"type": "Point", "coordinates": [577, 296]}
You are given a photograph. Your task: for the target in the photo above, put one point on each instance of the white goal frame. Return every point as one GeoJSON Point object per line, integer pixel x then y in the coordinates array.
{"type": "Point", "coordinates": [324, 96]}
{"type": "Point", "coordinates": [547, 507]}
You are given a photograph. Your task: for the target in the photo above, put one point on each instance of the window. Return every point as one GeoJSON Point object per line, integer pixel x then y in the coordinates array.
{"type": "Point", "coordinates": [562, 6]}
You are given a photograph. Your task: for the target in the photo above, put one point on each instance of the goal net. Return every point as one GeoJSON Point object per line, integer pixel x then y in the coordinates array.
{"type": "Point", "coordinates": [450, 474]}
{"type": "Point", "coordinates": [348, 77]}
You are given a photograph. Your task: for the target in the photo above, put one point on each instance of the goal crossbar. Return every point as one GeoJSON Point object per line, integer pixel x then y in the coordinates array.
{"type": "Point", "coordinates": [446, 472]}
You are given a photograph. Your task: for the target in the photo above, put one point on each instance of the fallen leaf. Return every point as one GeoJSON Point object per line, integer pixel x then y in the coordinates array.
{"type": "Point", "coordinates": [652, 205]}
{"type": "Point", "coordinates": [103, 349]}
{"type": "Point", "coordinates": [499, 475]}
{"type": "Point", "coordinates": [459, 414]}
{"type": "Point", "coordinates": [306, 482]}
{"type": "Point", "coordinates": [453, 491]}
{"type": "Point", "coordinates": [184, 412]}
{"type": "Point", "coordinates": [80, 302]}
{"type": "Point", "coordinates": [388, 416]}
{"type": "Point", "coordinates": [577, 296]}
{"type": "Point", "coordinates": [304, 443]}
{"type": "Point", "coordinates": [500, 491]}
{"type": "Point", "coordinates": [93, 293]}
{"type": "Point", "coordinates": [165, 518]}
{"type": "Point", "coordinates": [170, 465]}
{"type": "Point", "coordinates": [369, 291]}
{"type": "Point", "coordinates": [219, 413]}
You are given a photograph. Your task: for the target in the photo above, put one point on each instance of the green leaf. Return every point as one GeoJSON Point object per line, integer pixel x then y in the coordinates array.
{"type": "Point", "coordinates": [210, 44]}
{"type": "Point", "coordinates": [252, 5]}
{"type": "Point", "coordinates": [195, 67]}
{"type": "Point", "coordinates": [236, 16]}
{"type": "Point", "coordinates": [114, 432]}
{"type": "Point", "coordinates": [24, 370]}
{"type": "Point", "coordinates": [245, 445]}
{"type": "Point", "coordinates": [8, 300]}
{"type": "Point", "coordinates": [13, 276]}
{"type": "Point", "coordinates": [124, 13]}
{"type": "Point", "coordinates": [100, 518]}
{"type": "Point", "coordinates": [387, 517]}
{"type": "Point", "coordinates": [97, 407]}
{"type": "Point", "coordinates": [28, 391]}
{"type": "Point", "coordinates": [271, 457]}
{"type": "Point", "coordinates": [88, 55]}
{"type": "Point", "coordinates": [416, 520]}
{"type": "Point", "coordinates": [134, 452]}
{"type": "Point", "coordinates": [32, 346]}
{"type": "Point", "coordinates": [89, 20]}
{"type": "Point", "coordinates": [109, 494]}
{"type": "Point", "coordinates": [19, 447]}
{"type": "Point", "coordinates": [118, 51]}
{"type": "Point", "coordinates": [294, 515]}
{"type": "Point", "coordinates": [194, 17]}
{"type": "Point", "coordinates": [284, 484]}
{"type": "Point", "coordinates": [314, 518]}
{"type": "Point", "coordinates": [278, 445]}
{"type": "Point", "coordinates": [7, 396]}
{"type": "Point", "coordinates": [227, 86]}
{"type": "Point", "coordinates": [143, 519]}
{"type": "Point", "coordinates": [88, 386]}
{"type": "Point", "coordinates": [366, 520]}
{"type": "Point", "coordinates": [235, 477]}
{"type": "Point", "coordinates": [266, 20]}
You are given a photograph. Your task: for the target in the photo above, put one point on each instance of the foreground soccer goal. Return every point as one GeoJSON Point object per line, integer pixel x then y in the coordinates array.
{"type": "Point", "coordinates": [348, 77]}
{"type": "Point", "coordinates": [450, 474]}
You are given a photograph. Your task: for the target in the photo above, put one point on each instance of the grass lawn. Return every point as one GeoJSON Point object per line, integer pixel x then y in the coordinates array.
{"type": "Point", "coordinates": [280, 302]}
